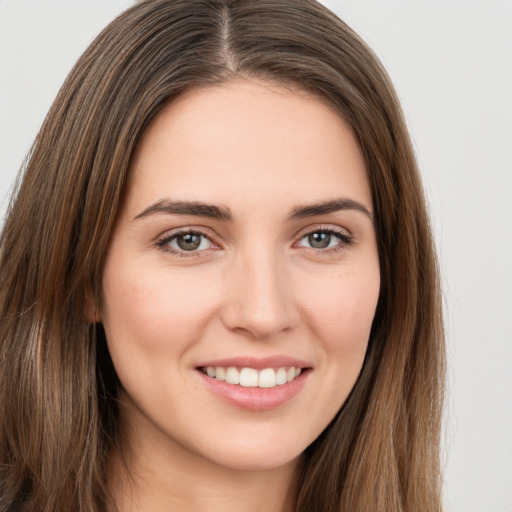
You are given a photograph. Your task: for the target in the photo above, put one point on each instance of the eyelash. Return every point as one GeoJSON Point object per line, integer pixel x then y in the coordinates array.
{"type": "Point", "coordinates": [346, 240]}
{"type": "Point", "coordinates": [163, 243]}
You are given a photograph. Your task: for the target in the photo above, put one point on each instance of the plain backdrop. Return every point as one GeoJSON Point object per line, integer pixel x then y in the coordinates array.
{"type": "Point", "coordinates": [451, 62]}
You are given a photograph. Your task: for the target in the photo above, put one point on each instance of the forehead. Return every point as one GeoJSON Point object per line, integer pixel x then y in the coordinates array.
{"type": "Point", "coordinates": [246, 142]}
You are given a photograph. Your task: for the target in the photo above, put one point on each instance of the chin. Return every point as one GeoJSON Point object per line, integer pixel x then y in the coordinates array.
{"type": "Point", "coordinates": [257, 459]}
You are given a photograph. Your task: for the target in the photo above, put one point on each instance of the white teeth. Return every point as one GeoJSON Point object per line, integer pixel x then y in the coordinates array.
{"type": "Point", "coordinates": [220, 373]}
{"type": "Point", "coordinates": [249, 378]}
{"type": "Point", "coordinates": [281, 376]}
{"type": "Point", "coordinates": [267, 378]}
{"type": "Point", "coordinates": [252, 378]}
{"type": "Point", "coordinates": [232, 376]}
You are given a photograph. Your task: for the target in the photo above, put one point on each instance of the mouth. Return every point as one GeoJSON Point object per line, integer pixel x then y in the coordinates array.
{"type": "Point", "coordinates": [255, 385]}
{"type": "Point", "coordinates": [251, 377]}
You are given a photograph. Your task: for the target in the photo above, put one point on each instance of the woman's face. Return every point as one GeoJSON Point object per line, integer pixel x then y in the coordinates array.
{"type": "Point", "coordinates": [244, 252]}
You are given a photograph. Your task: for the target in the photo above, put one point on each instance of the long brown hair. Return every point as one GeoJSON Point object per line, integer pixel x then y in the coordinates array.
{"type": "Point", "coordinates": [58, 389]}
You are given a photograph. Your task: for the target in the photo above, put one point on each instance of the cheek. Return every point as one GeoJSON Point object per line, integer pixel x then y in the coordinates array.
{"type": "Point", "coordinates": [151, 319]}
{"type": "Point", "coordinates": [339, 310]}
{"type": "Point", "coordinates": [341, 313]}
{"type": "Point", "coordinates": [146, 309]}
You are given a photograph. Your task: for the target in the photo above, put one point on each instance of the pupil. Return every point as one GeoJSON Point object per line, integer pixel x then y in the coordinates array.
{"type": "Point", "coordinates": [319, 240]}
{"type": "Point", "coordinates": [189, 242]}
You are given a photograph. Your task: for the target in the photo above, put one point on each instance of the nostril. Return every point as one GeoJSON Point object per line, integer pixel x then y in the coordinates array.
{"type": "Point", "coordinates": [261, 322]}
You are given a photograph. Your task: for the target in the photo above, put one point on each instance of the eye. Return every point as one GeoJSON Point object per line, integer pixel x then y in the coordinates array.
{"type": "Point", "coordinates": [185, 242]}
{"type": "Point", "coordinates": [325, 239]}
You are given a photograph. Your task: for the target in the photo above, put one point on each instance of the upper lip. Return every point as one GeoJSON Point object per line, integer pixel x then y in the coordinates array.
{"type": "Point", "coordinates": [258, 363]}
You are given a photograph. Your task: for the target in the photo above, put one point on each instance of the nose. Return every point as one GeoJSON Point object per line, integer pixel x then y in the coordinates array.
{"type": "Point", "coordinates": [259, 300]}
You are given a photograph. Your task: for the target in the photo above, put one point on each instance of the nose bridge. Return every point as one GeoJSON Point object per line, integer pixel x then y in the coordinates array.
{"type": "Point", "coordinates": [259, 300]}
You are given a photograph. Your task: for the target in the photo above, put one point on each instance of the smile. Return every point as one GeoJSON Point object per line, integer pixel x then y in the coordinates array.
{"type": "Point", "coordinates": [255, 384]}
{"type": "Point", "coordinates": [251, 377]}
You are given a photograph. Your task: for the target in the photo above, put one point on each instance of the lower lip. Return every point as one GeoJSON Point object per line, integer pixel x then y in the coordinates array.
{"type": "Point", "coordinates": [256, 399]}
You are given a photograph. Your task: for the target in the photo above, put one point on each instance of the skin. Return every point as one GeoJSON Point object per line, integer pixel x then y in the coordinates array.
{"type": "Point", "coordinates": [255, 287]}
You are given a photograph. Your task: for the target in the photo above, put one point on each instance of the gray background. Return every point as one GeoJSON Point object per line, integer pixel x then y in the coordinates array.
{"type": "Point", "coordinates": [451, 62]}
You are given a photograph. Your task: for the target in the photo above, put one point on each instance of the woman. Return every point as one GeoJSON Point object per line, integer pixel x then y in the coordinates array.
{"type": "Point", "coordinates": [218, 284]}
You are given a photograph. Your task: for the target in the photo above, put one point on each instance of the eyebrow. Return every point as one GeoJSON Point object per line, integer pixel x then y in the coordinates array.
{"type": "Point", "coordinates": [331, 206]}
{"type": "Point", "coordinates": [195, 208]}
{"type": "Point", "coordinates": [200, 209]}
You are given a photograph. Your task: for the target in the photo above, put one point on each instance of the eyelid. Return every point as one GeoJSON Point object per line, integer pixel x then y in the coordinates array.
{"type": "Point", "coordinates": [163, 240]}
{"type": "Point", "coordinates": [331, 228]}
{"type": "Point", "coordinates": [346, 238]}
